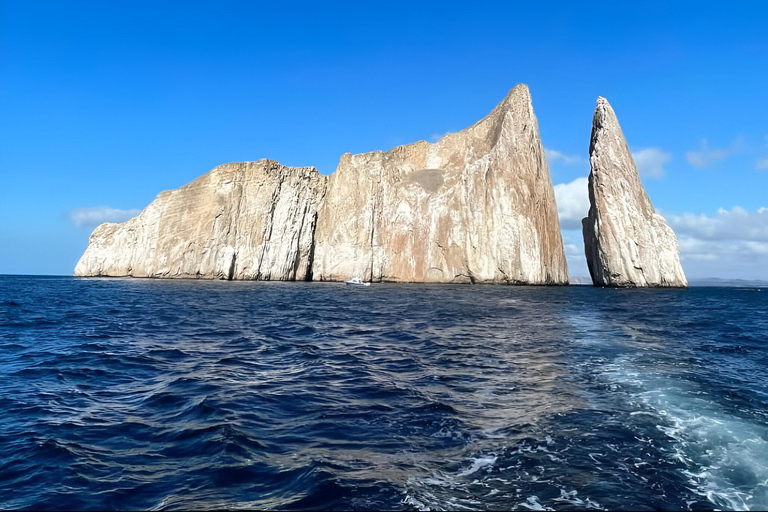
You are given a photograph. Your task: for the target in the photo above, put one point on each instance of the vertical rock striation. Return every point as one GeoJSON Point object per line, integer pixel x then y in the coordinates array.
{"type": "Point", "coordinates": [252, 220]}
{"type": "Point", "coordinates": [626, 242]}
{"type": "Point", "coordinates": [476, 206]}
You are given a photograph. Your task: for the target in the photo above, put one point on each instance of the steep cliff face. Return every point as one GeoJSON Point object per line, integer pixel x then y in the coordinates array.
{"type": "Point", "coordinates": [626, 242]}
{"type": "Point", "coordinates": [476, 206]}
{"type": "Point", "coordinates": [252, 220]}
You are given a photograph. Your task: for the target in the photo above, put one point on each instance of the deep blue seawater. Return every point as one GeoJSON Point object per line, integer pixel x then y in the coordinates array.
{"type": "Point", "coordinates": [151, 394]}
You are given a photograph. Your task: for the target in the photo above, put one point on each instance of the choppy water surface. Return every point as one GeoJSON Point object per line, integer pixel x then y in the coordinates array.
{"type": "Point", "coordinates": [128, 393]}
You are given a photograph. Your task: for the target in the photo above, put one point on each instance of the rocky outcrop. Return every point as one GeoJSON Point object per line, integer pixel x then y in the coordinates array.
{"type": "Point", "coordinates": [626, 242]}
{"type": "Point", "coordinates": [252, 220]}
{"type": "Point", "coordinates": [476, 206]}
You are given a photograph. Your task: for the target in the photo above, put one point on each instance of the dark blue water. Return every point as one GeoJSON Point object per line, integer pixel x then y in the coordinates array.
{"type": "Point", "coordinates": [146, 394]}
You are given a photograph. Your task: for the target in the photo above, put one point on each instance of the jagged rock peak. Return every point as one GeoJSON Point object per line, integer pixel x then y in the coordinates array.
{"type": "Point", "coordinates": [518, 96]}
{"type": "Point", "coordinates": [627, 244]}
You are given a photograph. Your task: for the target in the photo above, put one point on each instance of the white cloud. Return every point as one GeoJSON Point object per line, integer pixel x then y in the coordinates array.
{"type": "Point", "coordinates": [706, 156]}
{"type": "Point", "coordinates": [732, 243]}
{"type": "Point", "coordinates": [95, 215]}
{"type": "Point", "coordinates": [734, 224]}
{"type": "Point", "coordinates": [573, 250]}
{"type": "Point", "coordinates": [742, 251]}
{"type": "Point", "coordinates": [762, 164]}
{"type": "Point", "coordinates": [573, 243]}
{"type": "Point", "coordinates": [556, 156]}
{"type": "Point", "coordinates": [650, 162]}
{"type": "Point", "coordinates": [572, 202]}
{"type": "Point", "coordinates": [739, 259]}
{"type": "Point", "coordinates": [572, 206]}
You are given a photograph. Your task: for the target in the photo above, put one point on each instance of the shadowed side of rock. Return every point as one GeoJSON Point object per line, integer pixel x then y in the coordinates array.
{"type": "Point", "coordinates": [251, 220]}
{"type": "Point", "coordinates": [627, 244]}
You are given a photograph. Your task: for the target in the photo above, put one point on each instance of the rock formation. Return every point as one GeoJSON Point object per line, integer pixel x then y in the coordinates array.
{"type": "Point", "coordinates": [252, 220]}
{"type": "Point", "coordinates": [476, 206]}
{"type": "Point", "coordinates": [626, 242]}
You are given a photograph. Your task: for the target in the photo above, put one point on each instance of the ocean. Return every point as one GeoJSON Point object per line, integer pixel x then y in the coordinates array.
{"type": "Point", "coordinates": [164, 394]}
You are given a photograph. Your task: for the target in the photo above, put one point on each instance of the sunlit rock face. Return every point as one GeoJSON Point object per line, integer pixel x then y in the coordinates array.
{"type": "Point", "coordinates": [627, 244]}
{"type": "Point", "coordinates": [476, 206]}
{"type": "Point", "coordinates": [252, 220]}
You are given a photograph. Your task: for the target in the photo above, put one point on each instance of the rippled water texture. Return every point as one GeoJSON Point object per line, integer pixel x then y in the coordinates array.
{"type": "Point", "coordinates": [129, 393]}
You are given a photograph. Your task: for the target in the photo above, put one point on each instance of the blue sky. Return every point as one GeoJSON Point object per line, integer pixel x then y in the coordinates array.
{"type": "Point", "coordinates": [105, 104]}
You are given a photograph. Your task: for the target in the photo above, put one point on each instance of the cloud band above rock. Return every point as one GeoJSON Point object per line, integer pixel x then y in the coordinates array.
{"type": "Point", "coordinates": [95, 215]}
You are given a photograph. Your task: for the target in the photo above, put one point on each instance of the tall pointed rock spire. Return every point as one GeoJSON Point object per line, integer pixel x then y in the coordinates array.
{"type": "Point", "coordinates": [626, 242]}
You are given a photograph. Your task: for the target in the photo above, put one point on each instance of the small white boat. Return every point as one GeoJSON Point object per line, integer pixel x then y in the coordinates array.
{"type": "Point", "coordinates": [356, 281]}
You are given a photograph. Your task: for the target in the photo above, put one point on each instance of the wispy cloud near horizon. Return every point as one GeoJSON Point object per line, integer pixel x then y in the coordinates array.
{"type": "Point", "coordinates": [762, 164]}
{"type": "Point", "coordinates": [731, 241]}
{"type": "Point", "coordinates": [95, 215]}
{"type": "Point", "coordinates": [650, 161]}
{"type": "Point", "coordinates": [557, 156]}
{"type": "Point", "coordinates": [734, 224]}
{"type": "Point", "coordinates": [705, 156]}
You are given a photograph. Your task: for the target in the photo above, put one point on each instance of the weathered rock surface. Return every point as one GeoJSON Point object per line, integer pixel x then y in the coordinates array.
{"type": "Point", "coordinates": [626, 242]}
{"type": "Point", "coordinates": [476, 206]}
{"type": "Point", "coordinates": [252, 220]}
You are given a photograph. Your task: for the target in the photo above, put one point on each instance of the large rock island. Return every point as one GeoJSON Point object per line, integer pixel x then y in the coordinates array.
{"type": "Point", "coordinates": [476, 206]}
{"type": "Point", "coordinates": [627, 244]}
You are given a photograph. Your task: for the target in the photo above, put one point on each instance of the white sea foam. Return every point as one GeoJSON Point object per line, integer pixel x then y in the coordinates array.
{"type": "Point", "coordinates": [726, 456]}
{"type": "Point", "coordinates": [478, 464]}
{"type": "Point", "coordinates": [532, 503]}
